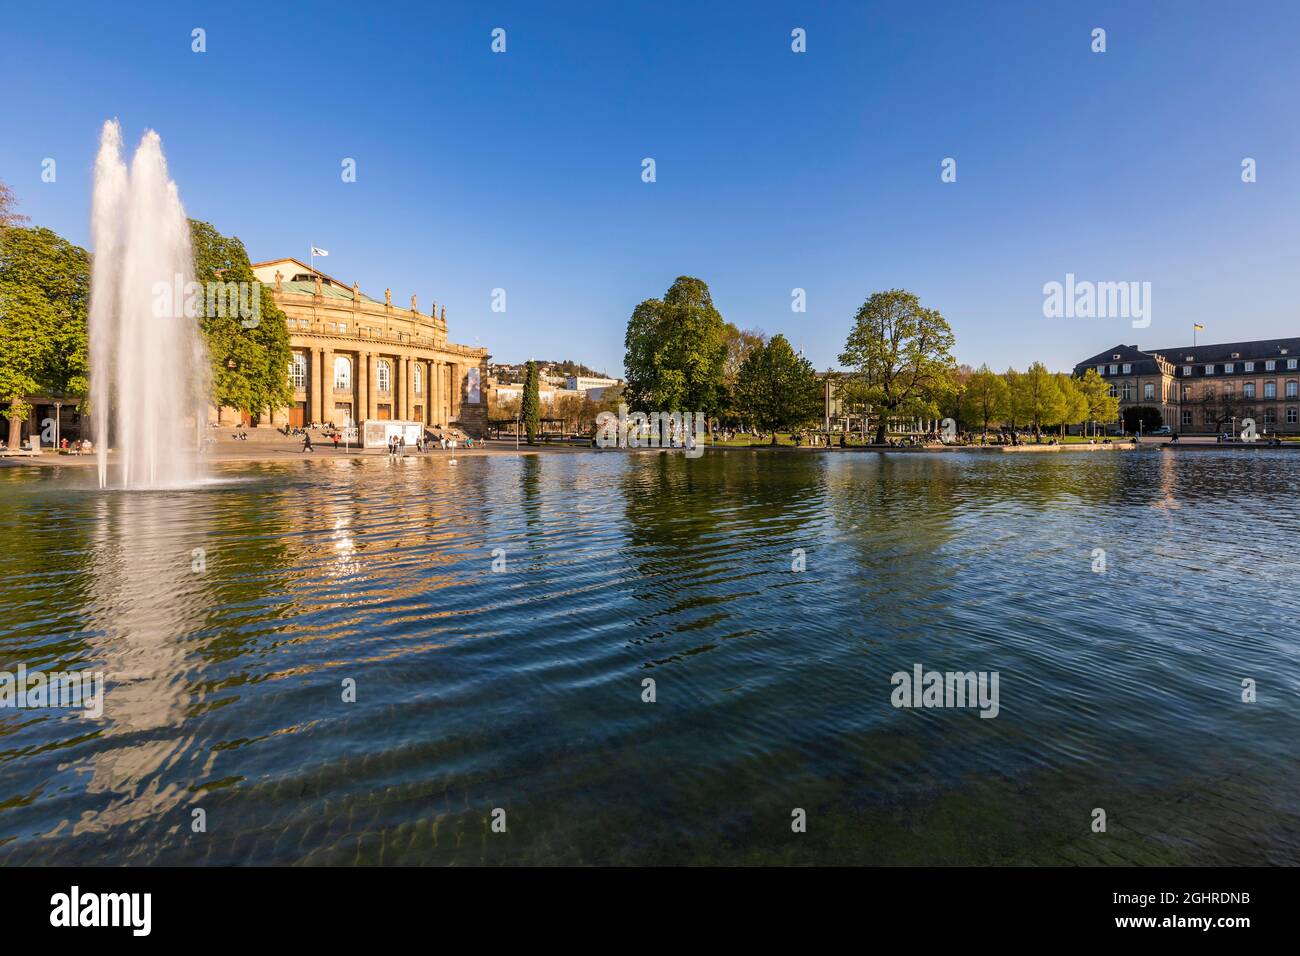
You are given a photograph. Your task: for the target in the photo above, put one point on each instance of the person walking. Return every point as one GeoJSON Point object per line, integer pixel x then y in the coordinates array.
{"type": "Point", "coordinates": [306, 445]}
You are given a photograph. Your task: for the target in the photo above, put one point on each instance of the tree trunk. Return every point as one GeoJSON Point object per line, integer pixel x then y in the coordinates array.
{"type": "Point", "coordinates": [880, 432]}
{"type": "Point", "coordinates": [15, 433]}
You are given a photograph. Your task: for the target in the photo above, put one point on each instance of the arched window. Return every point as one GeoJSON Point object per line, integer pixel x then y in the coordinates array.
{"type": "Point", "coordinates": [417, 379]}
{"type": "Point", "coordinates": [298, 370]}
{"type": "Point", "coordinates": [384, 375]}
{"type": "Point", "coordinates": [342, 372]}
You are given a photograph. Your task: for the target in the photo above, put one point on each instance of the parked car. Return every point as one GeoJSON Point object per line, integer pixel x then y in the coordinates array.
{"type": "Point", "coordinates": [1162, 430]}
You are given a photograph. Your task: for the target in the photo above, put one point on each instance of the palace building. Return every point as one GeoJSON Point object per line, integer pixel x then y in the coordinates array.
{"type": "Point", "coordinates": [1206, 389]}
{"type": "Point", "coordinates": [356, 358]}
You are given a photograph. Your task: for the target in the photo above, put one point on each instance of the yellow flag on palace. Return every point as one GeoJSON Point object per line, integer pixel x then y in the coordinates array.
{"type": "Point", "coordinates": [1198, 326]}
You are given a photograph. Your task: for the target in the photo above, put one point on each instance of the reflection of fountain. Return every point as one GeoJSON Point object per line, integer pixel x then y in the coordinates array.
{"type": "Point", "coordinates": [147, 600]}
{"type": "Point", "coordinates": [148, 365]}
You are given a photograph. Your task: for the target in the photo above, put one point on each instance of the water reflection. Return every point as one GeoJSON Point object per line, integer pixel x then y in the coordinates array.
{"type": "Point", "coordinates": [521, 685]}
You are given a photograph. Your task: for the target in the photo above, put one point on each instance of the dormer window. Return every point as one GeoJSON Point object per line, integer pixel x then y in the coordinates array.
{"type": "Point", "coordinates": [1128, 369]}
{"type": "Point", "coordinates": [1187, 370]}
{"type": "Point", "coordinates": [1250, 366]}
{"type": "Point", "coordinates": [1209, 370]}
{"type": "Point", "coordinates": [1115, 356]}
{"type": "Point", "coordinates": [1227, 368]}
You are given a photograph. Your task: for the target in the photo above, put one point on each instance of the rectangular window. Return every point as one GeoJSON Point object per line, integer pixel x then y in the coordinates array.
{"type": "Point", "coordinates": [1128, 391]}
{"type": "Point", "coordinates": [1187, 393]}
{"type": "Point", "coordinates": [1148, 391]}
{"type": "Point", "coordinates": [343, 327]}
{"type": "Point", "coordinates": [1248, 390]}
{"type": "Point", "coordinates": [1114, 370]}
{"type": "Point", "coordinates": [1227, 368]}
{"type": "Point", "coordinates": [1250, 366]}
{"type": "Point", "coordinates": [1292, 388]}
{"type": "Point", "coordinates": [1270, 389]}
{"type": "Point", "coordinates": [1101, 370]}
{"type": "Point", "coordinates": [1290, 363]}
{"type": "Point", "coordinates": [1187, 416]}
{"type": "Point", "coordinates": [1209, 370]}
{"type": "Point", "coordinates": [1128, 369]}
{"type": "Point", "coordinates": [1187, 370]}
{"type": "Point", "coordinates": [298, 370]}
{"type": "Point", "coordinates": [1209, 416]}
{"type": "Point", "coordinates": [1270, 416]}
{"type": "Point", "coordinates": [1292, 416]}
{"type": "Point", "coordinates": [1269, 365]}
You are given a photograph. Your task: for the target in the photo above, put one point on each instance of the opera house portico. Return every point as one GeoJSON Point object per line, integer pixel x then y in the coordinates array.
{"type": "Point", "coordinates": [355, 358]}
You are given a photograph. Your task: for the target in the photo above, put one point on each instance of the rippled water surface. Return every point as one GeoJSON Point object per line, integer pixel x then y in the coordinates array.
{"type": "Point", "coordinates": [522, 689]}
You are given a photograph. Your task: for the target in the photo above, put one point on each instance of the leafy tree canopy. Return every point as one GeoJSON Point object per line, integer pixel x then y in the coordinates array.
{"type": "Point", "coordinates": [902, 355]}
{"type": "Point", "coordinates": [676, 351]}
{"type": "Point", "coordinates": [778, 389]}
{"type": "Point", "coordinates": [44, 294]}
{"type": "Point", "coordinates": [249, 365]}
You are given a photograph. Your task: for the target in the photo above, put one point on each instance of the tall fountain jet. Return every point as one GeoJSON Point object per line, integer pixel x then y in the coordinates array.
{"type": "Point", "coordinates": [148, 365]}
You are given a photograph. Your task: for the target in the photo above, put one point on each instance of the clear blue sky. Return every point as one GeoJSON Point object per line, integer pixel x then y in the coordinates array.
{"type": "Point", "coordinates": [775, 170]}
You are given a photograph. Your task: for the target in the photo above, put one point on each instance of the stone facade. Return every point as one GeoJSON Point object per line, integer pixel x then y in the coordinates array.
{"type": "Point", "coordinates": [1206, 389]}
{"type": "Point", "coordinates": [356, 358]}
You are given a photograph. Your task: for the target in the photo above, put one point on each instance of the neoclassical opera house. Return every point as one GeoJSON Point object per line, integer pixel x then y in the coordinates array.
{"type": "Point", "coordinates": [355, 358]}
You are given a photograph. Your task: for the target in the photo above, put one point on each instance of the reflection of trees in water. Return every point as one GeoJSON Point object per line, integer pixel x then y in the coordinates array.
{"type": "Point", "coordinates": [704, 537]}
{"type": "Point", "coordinates": [687, 513]}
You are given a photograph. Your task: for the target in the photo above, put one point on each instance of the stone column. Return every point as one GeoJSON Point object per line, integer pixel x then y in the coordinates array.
{"type": "Point", "coordinates": [327, 391]}
{"type": "Point", "coordinates": [435, 392]}
{"type": "Point", "coordinates": [316, 384]}
{"type": "Point", "coordinates": [372, 386]}
{"type": "Point", "coordinates": [408, 387]}
{"type": "Point", "coordinates": [428, 393]}
{"type": "Point", "coordinates": [399, 387]}
{"type": "Point", "coordinates": [361, 410]}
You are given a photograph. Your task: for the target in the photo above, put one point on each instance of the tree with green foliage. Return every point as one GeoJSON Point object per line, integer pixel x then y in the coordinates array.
{"type": "Point", "coordinates": [740, 344]}
{"type": "Point", "coordinates": [1074, 403]}
{"type": "Point", "coordinates": [676, 351]}
{"type": "Point", "coordinates": [902, 355]}
{"type": "Point", "coordinates": [531, 404]}
{"type": "Point", "coordinates": [987, 397]}
{"type": "Point", "coordinates": [44, 294]}
{"type": "Point", "coordinates": [1102, 406]}
{"type": "Point", "coordinates": [250, 365]}
{"type": "Point", "coordinates": [1040, 399]}
{"type": "Point", "coordinates": [1144, 418]}
{"type": "Point", "coordinates": [777, 389]}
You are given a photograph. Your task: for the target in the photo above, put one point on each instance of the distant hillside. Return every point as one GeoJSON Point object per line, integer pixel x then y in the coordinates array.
{"type": "Point", "coordinates": [564, 367]}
